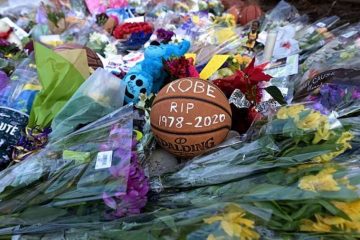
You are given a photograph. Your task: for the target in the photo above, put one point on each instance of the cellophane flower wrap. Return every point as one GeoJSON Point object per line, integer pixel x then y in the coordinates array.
{"type": "Point", "coordinates": [89, 173]}
{"type": "Point", "coordinates": [342, 52]}
{"type": "Point", "coordinates": [101, 94]}
{"type": "Point", "coordinates": [295, 135]}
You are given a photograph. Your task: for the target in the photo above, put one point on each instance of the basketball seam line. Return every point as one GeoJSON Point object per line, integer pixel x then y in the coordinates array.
{"type": "Point", "coordinates": [191, 133]}
{"type": "Point", "coordinates": [194, 98]}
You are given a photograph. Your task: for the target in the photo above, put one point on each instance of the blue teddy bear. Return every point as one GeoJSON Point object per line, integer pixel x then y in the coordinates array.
{"type": "Point", "coordinates": [148, 76]}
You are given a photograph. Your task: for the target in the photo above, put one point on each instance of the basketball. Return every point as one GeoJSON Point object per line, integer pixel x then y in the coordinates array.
{"type": "Point", "coordinates": [250, 13]}
{"type": "Point", "coordinates": [93, 59]}
{"type": "Point", "coordinates": [190, 116]}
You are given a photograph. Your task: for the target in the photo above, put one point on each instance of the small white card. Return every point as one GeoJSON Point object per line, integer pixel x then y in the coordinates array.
{"type": "Point", "coordinates": [135, 19]}
{"type": "Point", "coordinates": [103, 160]}
{"type": "Point", "coordinates": [283, 67]}
{"type": "Point", "coordinates": [349, 34]}
{"type": "Point", "coordinates": [19, 32]}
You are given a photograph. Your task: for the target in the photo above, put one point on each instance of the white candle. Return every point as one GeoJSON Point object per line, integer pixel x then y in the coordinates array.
{"type": "Point", "coordinates": [269, 46]}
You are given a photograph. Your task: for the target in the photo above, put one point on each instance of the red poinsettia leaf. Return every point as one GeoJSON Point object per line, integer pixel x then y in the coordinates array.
{"type": "Point", "coordinates": [256, 74]}
{"type": "Point", "coordinates": [250, 67]}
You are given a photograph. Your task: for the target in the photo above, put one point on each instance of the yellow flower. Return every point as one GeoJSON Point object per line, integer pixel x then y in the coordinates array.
{"type": "Point", "coordinates": [310, 226]}
{"type": "Point", "coordinates": [345, 181]}
{"type": "Point", "coordinates": [352, 209]}
{"type": "Point", "coordinates": [323, 181]}
{"type": "Point", "coordinates": [234, 223]}
{"type": "Point", "coordinates": [324, 158]}
{"type": "Point", "coordinates": [243, 60]}
{"type": "Point", "coordinates": [290, 112]}
{"type": "Point", "coordinates": [311, 121]}
{"type": "Point", "coordinates": [322, 133]}
{"type": "Point", "coordinates": [325, 224]}
{"type": "Point", "coordinates": [344, 141]}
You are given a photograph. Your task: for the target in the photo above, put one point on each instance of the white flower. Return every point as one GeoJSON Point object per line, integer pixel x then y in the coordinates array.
{"type": "Point", "coordinates": [110, 49]}
{"type": "Point", "coordinates": [98, 38]}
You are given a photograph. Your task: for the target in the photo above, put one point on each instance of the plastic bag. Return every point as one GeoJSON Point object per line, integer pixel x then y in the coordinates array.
{"type": "Point", "coordinates": [73, 177]}
{"type": "Point", "coordinates": [98, 96]}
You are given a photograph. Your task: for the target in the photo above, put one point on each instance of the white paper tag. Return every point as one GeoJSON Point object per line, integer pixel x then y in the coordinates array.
{"type": "Point", "coordinates": [135, 19]}
{"type": "Point", "coordinates": [19, 32]}
{"type": "Point", "coordinates": [103, 160]}
{"type": "Point", "coordinates": [320, 24]}
{"type": "Point", "coordinates": [349, 34]}
{"type": "Point", "coordinates": [284, 67]}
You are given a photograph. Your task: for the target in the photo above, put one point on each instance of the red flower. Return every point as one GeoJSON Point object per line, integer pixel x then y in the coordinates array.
{"type": "Point", "coordinates": [246, 80]}
{"type": "Point", "coordinates": [121, 31]}
{"type": "Point", "coordinates": [181, 68]}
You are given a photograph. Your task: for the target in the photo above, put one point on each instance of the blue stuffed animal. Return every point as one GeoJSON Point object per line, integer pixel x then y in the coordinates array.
{"type": "Point", "coordinates": [148, 76]}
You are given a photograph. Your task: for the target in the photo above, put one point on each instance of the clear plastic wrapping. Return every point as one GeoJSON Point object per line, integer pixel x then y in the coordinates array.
{"type": "Point", "coordinates": [98, 96]}
{"type": "Point", "coordinates": [295, 135]}
{"type": "Point", "coordinates": [75, 176]}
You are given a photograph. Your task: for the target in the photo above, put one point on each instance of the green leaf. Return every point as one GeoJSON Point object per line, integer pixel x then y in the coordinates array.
{"type": "Point", "coordinates": [334, 210]}
{"type": "Point", "coordinates": [276, 94]}
{"type": "Point", "coordinates": [36, 215]}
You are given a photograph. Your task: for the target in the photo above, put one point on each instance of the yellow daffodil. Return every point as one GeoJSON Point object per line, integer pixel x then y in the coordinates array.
{"type": "Point", "coordinates": [323, 181]}
{"type": "Point", "coordinates": [323, 132]}
{"type": "Point", "coordinates": [310, 226]}
{"type": "Point", "coordinates": [326, 223]}
{"type": "Point", "coordinates": [352, 209]}
{"type": "Point", "coordinates": [327, 157]}
{"type": "Point", "coordinates": [290, 112]}
{"type": "Point", "coordinates": [234, 223]}
{"type": "Point", "coordinates": [343, 140]}
{"type": "Point", "coordinates": [311, 121]}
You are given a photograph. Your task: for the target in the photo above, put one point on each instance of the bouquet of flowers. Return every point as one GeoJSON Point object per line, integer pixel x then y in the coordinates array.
{"type": "Point", "coordinates": [91, 172]}
{"type": "Point", "coordinates": [294, 136]}
{"type": "Point", "coordinates": [340, 53]}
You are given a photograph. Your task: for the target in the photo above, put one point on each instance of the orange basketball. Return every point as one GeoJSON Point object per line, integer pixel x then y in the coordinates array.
{"type": "Point", "coordinates": [250, 13]}
{"type": "Point", "coordinates": [190, 116]}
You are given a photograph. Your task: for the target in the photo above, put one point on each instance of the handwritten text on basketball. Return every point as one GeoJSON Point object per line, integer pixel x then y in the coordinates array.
{"type": "Point", "coordinates": [181, 107]}
{"type": "Point", "coordinates": [187, 85]}
{"type": "Point", "coordinates": [198, 122]}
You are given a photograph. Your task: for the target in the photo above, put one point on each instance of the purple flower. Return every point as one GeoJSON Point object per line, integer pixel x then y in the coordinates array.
{"type": "Point", "coordinates": [319, 107]}
{"type": "Point", "coordinates": [4, 43]}
{"type": "Point", "coordinates": [164, 35]}
{"type": "Point", "coordinates": [331, 95]}
{"type": "Point", "coordinates": [356, 94]}
{"type": "Point", "coordinates": [135, 198]}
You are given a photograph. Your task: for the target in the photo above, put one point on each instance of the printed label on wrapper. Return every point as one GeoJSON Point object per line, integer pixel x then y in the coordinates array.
{"type": "Point", "coordinates": [12, 122]}
{"type": "Point", "coordinates": [340, 76]}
